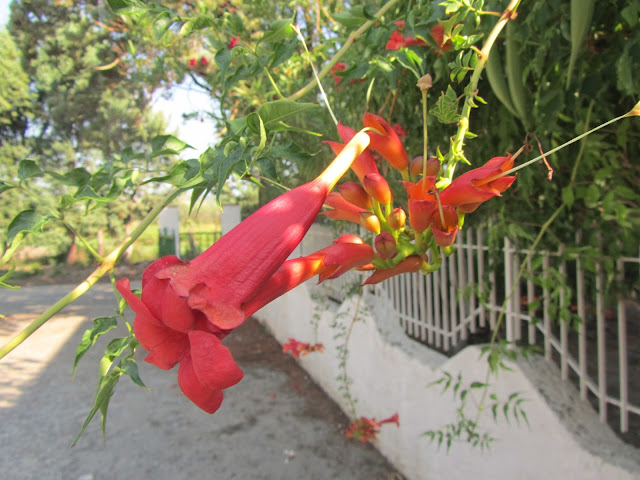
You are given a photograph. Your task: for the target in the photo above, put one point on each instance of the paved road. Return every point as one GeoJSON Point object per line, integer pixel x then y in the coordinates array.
{"type": "Point", "coordinates": [273, 425]}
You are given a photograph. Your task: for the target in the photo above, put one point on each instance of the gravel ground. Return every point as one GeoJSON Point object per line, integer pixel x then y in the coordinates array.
{"type": "Point", "coordinates": [275, 424]}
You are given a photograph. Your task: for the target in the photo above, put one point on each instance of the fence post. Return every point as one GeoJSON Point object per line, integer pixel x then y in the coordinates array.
{"type": "Point", "coordinates": [622, 357]}
{"type": "Point", "coordinates": [508, 282]}
{"type": "Point", "coordinates": [169, 227]}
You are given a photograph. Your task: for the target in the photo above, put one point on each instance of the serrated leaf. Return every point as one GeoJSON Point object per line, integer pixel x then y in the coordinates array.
{"type": "Point", "coordinates": [101, 326]}
{"type": "Point", "coordinates": [278, 30]}
{"type": "Point", "coordinates": [27, 221]}
{"type": "Point", "coordinates": [223, 60]}
{"type": "Point", "coordinates": [101, 401]}
{"type": "Point", "coordinates": [352, 18]}
{"type": "Point", "coordinates": [277, 111]}
{"type": "Point", "coordinates": [129, 366]}
{"type": "Point", "coordinates": [128, 6]}
{"type": "Point", "coordinates": [197, 23]}
{"type": "Point", "coordinates": [28, 169]}
{"type": "Point", "coordinates": [167, 145]}
{"type": "Point", "coordinates": [117, 346]}
{"type": "Point", "coordinates": [76, 177]}
{"type": "Point", "coordinates": [182, 173]}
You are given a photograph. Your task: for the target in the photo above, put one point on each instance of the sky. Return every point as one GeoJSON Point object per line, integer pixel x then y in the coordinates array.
{"type": "Point", "coordinates": [185, 98]}
{"type": "Point", "coordinates": [4, 12]}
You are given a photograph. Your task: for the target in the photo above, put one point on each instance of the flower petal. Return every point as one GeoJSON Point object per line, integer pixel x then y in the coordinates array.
{"type": "Point", "coordinates": [169, 352]}
{"type": "Point", "coordinates": [408, 265]}
{"type": "Point", "coordinates": [207, 399]}
{"type": "Point", "coordinates": [212, 361]}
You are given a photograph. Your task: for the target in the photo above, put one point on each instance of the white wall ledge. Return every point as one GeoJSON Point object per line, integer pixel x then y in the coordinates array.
{"type": "Point", "coordinates": [392, 373]}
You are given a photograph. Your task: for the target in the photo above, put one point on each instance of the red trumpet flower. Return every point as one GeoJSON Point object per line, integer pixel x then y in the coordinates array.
{"type": "Point", "coordinates": [386, 143]}
{"type": "Point", "coordinates": [186, 308]}
{"type": "Point", "coordinates": [362, 165]}
{"type": "Point", "coordinates": [347, 253]}
{"type": "Point", "coordinates": [410, 264]}
{"type": "Point", "coordinates": [476, 186]}
{"type": "Point", "coordinates": [444, 226]}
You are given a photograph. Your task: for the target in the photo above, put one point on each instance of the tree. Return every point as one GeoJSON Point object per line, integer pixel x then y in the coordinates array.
{"type": "Point", "coordinates": [89, 97]}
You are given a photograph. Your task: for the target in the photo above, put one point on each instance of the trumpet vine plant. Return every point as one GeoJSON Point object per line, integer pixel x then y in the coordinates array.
{"type": "Point", "coordinates": [422, 107]}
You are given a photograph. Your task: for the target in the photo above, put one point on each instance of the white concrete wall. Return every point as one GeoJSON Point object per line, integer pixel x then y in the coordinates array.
{"type": "Point", "coordinates": [392, 373]}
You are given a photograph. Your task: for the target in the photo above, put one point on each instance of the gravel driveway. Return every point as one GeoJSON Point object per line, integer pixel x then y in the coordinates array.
{"type": "Point", "coordinates": [275, 424]}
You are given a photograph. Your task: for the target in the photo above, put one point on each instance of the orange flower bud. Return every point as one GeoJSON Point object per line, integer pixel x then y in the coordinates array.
{"type": "Point", "coordinates": [433, 166]}
{"type": "Point", "coordinates": [385, 245]}
{"type": "Point", "coordinates": [397, 218]}
{"type": "Point", "coordinates": [354, 193]}
{"type": "Point", "coordinates": [378, 188]}
{"type": "Point", "coordinates": [369, 221]}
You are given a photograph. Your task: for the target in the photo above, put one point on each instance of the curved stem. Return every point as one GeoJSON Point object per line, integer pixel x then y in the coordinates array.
{"type": "Point", "coordinates": [104, 267]}
{"type": "Point", "coordinates": [353, 36]}
{"type": "Point", "coordinates": [494, 334]}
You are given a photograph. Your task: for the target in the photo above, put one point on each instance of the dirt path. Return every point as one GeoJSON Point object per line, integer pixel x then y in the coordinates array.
{"type": "Point", "coordinates": [275, 424]}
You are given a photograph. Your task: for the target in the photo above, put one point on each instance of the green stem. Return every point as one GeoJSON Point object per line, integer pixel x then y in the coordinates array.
{"type": "Point", "coordinates": [353, 36]}
{"type": "Point", "coordinates": [106, 266]}
{"type": "Point", "coordinates": [525, 262]}
{"type": "Point", "coordinates": [470, 90]}
{"type": "Point", "coordinates": [573, 140]}
{"type": "Point", "coordinates": [494, 334]}
{"type": "Point", "coordinates": [93, 253]}
{"type": "Point", "coordinates": [424, 135]}
{"type": "Point", "coordinates": [315, 75]}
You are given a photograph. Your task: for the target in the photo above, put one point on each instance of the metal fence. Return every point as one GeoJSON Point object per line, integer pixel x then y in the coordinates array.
{"type": "Point", "coordinates": [577, 316]}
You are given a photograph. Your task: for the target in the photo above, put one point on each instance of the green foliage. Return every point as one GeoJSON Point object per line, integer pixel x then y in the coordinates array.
{"type": "Point", "coordinates": [75, 120]}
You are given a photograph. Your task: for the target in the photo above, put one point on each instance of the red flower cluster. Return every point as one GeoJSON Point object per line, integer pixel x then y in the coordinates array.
{"type": "Point", "coordinates": [298, 349]}
{"type": "Point", "coordinates": [341, 67]}
{"type": "Point", "coordinates": [434, 215]}
{"type": "Point", "coordinates": [203, 62]}
{"type": "Point", "coordinates": [233, 42]}
{"type": "Point", "coordinates": [398, 40]}
{"type": "Point", "coordinates": [367, 429]}
{"type": "Point", "coordinates": [338, 67]}
{"type": "Point", "coordinates": [187, 308]}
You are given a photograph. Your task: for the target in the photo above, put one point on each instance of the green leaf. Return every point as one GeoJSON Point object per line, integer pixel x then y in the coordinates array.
{"type": "Point", "coordinates": [129, 366]}
{"type": "Point", "coordinates": [167, 145]}
{"type": "Point", "coordinates": [282, 52]}
{"type": "Point", "coordinates": [278, 30]}
{"type": "Point", "coordinates": [27, 221]}
{"type": "Point", "coordinates": [117, 346]}
{"type": "Point", "coordinates": [567, 196]}
{"type": "Point", "coordinates": [352, 18]}
{"type": "Point", "coordinates": [197, 23]}
{"type": "Point", "coordinates": [446, 109]}
{"type": "Point", "coordinates": [28, 169]}
{"type": "Point", "coordinates": [223, 60]}
{"type": "Point", "coordinates": [180, 174]}
{"type": "Point", "coordinates": [4, 186]}
{"type": "Point", "coordinates": [128, 6]}
{"type": "Point", "coordinates": [101, 326]}
{"type": "Point", "coordinates": [101, 401]}
{"type": "Point", "coordinates": [274, 112]}
{"type": "Point", "coordinates": [255, 123]}
{"type": "Point", "coordinates": [76, 177]}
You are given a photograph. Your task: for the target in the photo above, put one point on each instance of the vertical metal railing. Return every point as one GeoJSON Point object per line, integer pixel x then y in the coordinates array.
{"type": "Point", "coordinates": [444, 310]}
